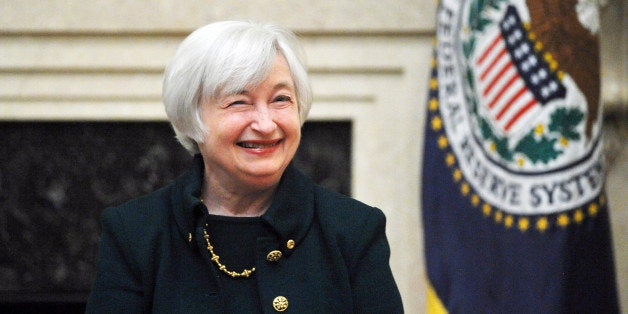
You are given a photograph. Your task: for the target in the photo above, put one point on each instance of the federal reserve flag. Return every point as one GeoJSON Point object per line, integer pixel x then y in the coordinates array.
{"type": "Point", "coordinates": [514, 211]}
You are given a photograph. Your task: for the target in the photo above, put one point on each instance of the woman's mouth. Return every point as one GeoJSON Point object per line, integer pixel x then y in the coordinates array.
{"type": "Point", "coordinates": [259, 144]}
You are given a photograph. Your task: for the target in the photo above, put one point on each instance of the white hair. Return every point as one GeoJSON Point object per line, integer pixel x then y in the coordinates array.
{"type": "Point", "coordinates": [222, 58]}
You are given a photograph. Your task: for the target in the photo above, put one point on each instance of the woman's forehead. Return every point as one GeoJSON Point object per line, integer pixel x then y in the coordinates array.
{"type": "Point", "coordinates": [249, 79]}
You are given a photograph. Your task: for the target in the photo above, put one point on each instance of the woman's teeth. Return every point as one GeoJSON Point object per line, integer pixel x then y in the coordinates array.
{"type": "Point", "coordinates": [256, 145]}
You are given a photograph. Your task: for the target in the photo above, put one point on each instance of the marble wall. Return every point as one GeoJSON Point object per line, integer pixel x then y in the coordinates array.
{"type": "Point", "coordinates": [55, 178]}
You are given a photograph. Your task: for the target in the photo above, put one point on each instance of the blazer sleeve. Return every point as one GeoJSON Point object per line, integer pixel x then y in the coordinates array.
{"type": "Point", "coordinates": [117, 287]}
{"type": "Point", "coordinates": [373, 286]}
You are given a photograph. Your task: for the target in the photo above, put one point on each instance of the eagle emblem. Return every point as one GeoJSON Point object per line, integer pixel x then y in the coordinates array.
{"type": "Point", "coordinates": [519, 101]}
{"type": "Point", "coordinates": [529, 85]}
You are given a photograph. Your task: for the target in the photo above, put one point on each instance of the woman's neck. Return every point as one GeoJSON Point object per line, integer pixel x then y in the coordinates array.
{"type": "Point", "coordinates": [231, 201]}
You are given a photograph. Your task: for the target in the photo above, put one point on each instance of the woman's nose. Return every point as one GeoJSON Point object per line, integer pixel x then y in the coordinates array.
{"type": "Point", "coordinates": [263, 120]}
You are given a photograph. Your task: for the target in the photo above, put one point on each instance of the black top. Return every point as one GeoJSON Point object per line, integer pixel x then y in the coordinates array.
{"type": "Point", "coordinates": [334, 254]}
{"type": "Point", "coordinates": [234, 241]}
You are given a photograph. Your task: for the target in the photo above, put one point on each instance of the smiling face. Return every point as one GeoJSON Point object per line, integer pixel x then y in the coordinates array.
{"type": "Point", "coordinates": [252, 134]}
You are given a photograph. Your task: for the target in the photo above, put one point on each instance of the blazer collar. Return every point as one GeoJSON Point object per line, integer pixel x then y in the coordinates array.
{"type": "Point", "coordinates": [290, 214]}
{"type": "Point", "coordinates": [186, 202]}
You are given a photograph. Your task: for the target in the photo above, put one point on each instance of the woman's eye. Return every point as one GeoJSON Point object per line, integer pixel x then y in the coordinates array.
{"type": "Point", "coordinates": [237, 102]}
{"type": "Point", "coordinates": [283, 98]}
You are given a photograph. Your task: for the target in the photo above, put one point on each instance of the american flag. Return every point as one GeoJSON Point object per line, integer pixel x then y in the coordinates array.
{"type": "Point", "coordinates": [515, 80]}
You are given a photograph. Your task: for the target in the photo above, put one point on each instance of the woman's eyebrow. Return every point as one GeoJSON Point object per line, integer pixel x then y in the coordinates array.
{"type": "Point", "coordinates": [281, 85]}
{"type": "Point", "coordinates": [277, 86]}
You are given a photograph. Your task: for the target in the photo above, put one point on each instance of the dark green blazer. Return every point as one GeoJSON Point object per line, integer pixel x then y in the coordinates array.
{"type": "Point", "coordinates": [153, 257]}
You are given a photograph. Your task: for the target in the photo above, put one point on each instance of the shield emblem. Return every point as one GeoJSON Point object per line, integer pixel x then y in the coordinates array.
{"type": "Point", "coordinates": [514, 81]}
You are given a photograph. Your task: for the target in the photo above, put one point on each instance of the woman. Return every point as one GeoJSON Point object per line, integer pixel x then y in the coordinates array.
{"type": "Point", "coordinates": [243, 231]}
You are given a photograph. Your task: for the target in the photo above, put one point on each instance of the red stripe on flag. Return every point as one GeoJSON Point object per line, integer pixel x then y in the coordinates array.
{"type": "Point", "coordinates": [506, 86]}
{"type": "Point", "coordinates": [493, 63]}
{"type": "Point", "coordinates": [513, 99]}
{"type": "Point", "coordinates": [521, 112]}
{"type": "Point", "coordinates": [497, 77]}
{"type": "Point", "coordinates": [490, 47]}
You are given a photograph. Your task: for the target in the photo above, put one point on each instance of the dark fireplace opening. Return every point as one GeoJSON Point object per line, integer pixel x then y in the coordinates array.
{"type": "Point", "coordinates": [56, 178]}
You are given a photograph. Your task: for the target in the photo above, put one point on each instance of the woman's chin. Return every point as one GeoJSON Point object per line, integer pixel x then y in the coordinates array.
{"type": "Point", "coordinates": [264, 173]}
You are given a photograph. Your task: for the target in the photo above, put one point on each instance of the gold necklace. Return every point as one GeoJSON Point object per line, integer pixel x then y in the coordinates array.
{"type": "Point", "coordinates": [245, 273]}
